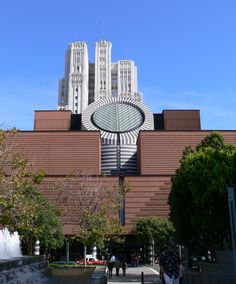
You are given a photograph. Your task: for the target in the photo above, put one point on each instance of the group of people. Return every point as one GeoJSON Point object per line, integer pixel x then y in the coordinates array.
{"type": "Point", "coordinates": [170, 265]}
{"type": "Point", "coordinates": [117, 264]}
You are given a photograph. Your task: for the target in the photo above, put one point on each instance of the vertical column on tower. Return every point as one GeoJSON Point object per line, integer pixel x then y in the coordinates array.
{"type": "Point", "coordinates": [102, 88]}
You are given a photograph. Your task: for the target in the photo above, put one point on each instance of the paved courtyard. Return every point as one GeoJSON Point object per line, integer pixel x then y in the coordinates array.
{"type": "Point", "coordinates": [133, 275]}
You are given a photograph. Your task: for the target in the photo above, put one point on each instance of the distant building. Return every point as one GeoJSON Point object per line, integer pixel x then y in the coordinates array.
{"type": "Point", "coordinates": [85, 83]}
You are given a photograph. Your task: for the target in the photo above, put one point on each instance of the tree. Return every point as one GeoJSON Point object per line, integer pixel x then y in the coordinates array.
{"type": "Point", "coordinates": [23, 208]}
{"type": "Point", "coordinates": [97, 206]}
{"type": "Point", "coordinates": [155, 231]}
{"type": "Point", "coordinates": [39, 219]}
{"type": "Point", "coordinates": [198, 197]}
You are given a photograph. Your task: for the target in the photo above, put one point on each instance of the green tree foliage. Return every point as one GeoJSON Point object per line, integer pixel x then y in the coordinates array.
{"type": "Point", "coordinates": [23, 208]}
{"type": "Point", "coordinates": [198, 197]}
{"type": "Point", "coordinates": [155, 231]}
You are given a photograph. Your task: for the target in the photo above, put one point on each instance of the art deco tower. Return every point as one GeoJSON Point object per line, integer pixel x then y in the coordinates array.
{"type": "Point", "coordinates": [73, 88]}
{"type": "Point", "coordinates": [114, 79]}
{"type": "Point", "coordinates": [85, 83]}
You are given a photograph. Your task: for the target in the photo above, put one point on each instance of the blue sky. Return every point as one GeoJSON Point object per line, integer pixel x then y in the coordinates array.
{"type": "Point", "coordinates": [185, 51]}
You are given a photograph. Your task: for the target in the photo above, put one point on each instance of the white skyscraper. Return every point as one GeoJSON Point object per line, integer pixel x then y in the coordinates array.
{"type": "Point", "coordinates": [73, 88]}
{"type": "Point", "coordinates": [84, 83]}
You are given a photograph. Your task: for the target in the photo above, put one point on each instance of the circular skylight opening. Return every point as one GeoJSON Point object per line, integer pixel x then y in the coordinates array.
{"type": "Point", "coordinates": [118, 117]}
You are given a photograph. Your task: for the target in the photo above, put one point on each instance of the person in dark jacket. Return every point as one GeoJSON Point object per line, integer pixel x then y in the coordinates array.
{"type": "Point", "coordinates": [170, 264]}
{"type": "Point", "coordinates": [110, 268]}
{"type": "Point", "coordinates": [117, 265]}
{"type": "Point", "coordinates": [124, 267]}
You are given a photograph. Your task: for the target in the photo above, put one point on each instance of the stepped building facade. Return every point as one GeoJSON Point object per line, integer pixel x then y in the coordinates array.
{"type": "Point", "coordinates": [102, 124]}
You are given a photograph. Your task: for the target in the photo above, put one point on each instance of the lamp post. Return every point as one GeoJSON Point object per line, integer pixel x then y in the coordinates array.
{"type": "Point", "coordinates": [67, 251]}
{"type": "Point", "coordinates": [231, 203]}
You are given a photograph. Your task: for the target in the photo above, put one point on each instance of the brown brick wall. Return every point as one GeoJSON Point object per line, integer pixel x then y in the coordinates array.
{"type": "Point", "coordinates": [52, 120]}
{"type": "Point", "coordinates": [181, 120]}
{"type": "Point", "coordinates": [159, 152]}
{"type": "Point", "coordinates": [147, 197]}
{"type": "Point", "coordinates": [60, 152]}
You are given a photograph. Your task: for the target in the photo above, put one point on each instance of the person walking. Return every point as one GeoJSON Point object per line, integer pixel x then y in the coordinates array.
{"type": "Point", "coordinates": [124, 267]}
{"type": "Point", "coordinates": [135, 261]}
{"type": "Point", "coordinates": [170, 264]}
{"type": "Point", "coordinates": [110, 268]}
{"type": "Point", "coordinates": [117, 265]}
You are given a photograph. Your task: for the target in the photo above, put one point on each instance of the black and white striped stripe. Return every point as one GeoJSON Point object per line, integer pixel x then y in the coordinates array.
{"type": "Point", "coordinates": [109, 140]}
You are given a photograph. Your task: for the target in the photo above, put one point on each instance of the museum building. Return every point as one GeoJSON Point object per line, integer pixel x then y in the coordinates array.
{"type": "Point", "coordinates": [103, 125]}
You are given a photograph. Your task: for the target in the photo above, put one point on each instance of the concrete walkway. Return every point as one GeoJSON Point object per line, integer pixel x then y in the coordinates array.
{"type": "Point", "coordinates": [133, 275]}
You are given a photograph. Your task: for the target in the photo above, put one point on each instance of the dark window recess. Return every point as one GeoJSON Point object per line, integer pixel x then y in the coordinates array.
{"type": "Point", "coordinates": [75, 122]}
{"type": "Point", "coordinates": [158, 121]}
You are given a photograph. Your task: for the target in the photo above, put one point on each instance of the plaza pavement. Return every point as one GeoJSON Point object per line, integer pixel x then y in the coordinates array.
{"type": "Point", "coordinates": [133, 275]}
